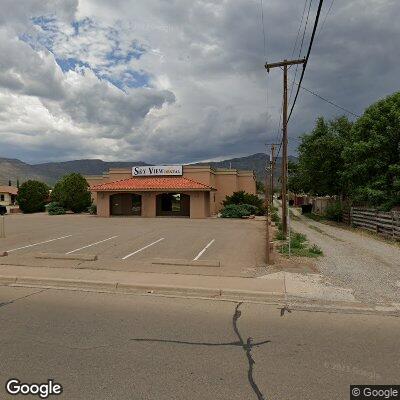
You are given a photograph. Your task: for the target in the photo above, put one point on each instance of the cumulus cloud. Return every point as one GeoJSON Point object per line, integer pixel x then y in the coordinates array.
{"type": "Point", "coordinates": [177, 81]}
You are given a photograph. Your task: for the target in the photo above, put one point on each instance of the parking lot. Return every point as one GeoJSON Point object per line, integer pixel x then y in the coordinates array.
{"type": "Point", "coordinates": [134, 243]}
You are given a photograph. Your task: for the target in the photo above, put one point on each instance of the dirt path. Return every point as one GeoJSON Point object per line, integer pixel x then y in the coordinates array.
{"type": "Point", "coordinates": [354, 260]}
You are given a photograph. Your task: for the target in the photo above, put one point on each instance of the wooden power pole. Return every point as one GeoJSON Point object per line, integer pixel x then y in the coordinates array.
{"type": "Point", "coordinates": [266, 202]}
{"type": "Point", "coordinates": [285, 64]}
{"type": "Point", "coordinates": [272, 166]}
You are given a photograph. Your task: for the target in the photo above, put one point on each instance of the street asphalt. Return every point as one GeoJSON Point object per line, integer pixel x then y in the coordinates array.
{"type": "Point", "coordinates": [112, 346]}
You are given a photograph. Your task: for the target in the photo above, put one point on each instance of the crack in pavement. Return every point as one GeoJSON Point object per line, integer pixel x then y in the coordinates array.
{"type": "Point", "coordinates": [21, 298]}
{"type": "Point", "coordinates": [246, 346]}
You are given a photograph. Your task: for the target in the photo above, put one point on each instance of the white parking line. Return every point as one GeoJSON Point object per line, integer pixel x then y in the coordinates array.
{"type": "Point", "coordinates": [36, 244]}
{"type": "Point", "coordinates": [205, 248]}
{"type": "Point", "coordinates": [90, 245]}
{"type": "Point", "coordinates": [143, 248]}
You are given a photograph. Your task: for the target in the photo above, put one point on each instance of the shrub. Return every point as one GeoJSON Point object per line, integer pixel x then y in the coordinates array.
{"type": "Point", "coordinates": [32, 196]}
{"type": "Point", "coordinates": [92, 209]}
{"type": "Point", "coordinates": [314, 249]}
{"type": "Point", "coordinates": [275, 217]}
{"type": "Point", "coordinates": [334, 212]}
{"type": "Point", "coordinates": [238, 210]}
{"type": "Point", "coordinates": [72, 193]}
{"type": "Point", "coordinates": [242, 197]}
{"type": "Point", "coordinates": [55, 209]}
{"type": "Point", "coordinates": [297, 240]}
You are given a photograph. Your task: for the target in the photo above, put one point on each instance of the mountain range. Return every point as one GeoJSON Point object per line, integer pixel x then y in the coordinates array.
{"type": "Point", "coordinates": [13, 169]}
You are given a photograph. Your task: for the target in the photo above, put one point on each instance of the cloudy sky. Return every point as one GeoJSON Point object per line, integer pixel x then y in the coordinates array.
{"type": "Point", "coordinates": [179, 80]}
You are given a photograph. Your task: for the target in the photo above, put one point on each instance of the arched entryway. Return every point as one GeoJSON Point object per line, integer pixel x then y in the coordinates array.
{"type": "Point", "coordinates": [126, 204]}
{"type": "Point", "coordinates": [173, 204]}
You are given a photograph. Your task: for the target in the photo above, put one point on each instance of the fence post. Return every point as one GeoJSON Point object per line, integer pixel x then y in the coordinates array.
{"type": "Point", "coordinates": [393, 232]}
{"type": "Point", "coordinates": [351, 216]}
{"type": "Point", "coordinates": [376, 221]}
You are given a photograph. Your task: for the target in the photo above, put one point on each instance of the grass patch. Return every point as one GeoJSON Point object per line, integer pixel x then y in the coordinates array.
{"type": "Point", "coordinates": [299, 245]}
{"type": "Point", "coordinates": [314, 217]}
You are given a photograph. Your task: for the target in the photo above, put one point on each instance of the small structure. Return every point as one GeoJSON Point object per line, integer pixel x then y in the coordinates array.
{"type": "Point", "coordinates": [8, 195]}
{"type": "Point", "coordinates": [157, 191]}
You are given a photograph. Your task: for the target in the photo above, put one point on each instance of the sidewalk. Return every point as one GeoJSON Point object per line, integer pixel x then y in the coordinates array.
{"type": "Point", "coordinates": [283, 289]}
{"type": "Point", "coordinates": [141, 281]}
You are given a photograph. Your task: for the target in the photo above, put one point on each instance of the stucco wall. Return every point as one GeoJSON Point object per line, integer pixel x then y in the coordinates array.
{"type": "Point", "coordinates": [7, 199]}
{"type": "Point", "coordinates": [225, 181]}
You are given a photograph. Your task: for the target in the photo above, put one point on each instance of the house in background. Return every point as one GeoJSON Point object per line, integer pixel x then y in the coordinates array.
{"type": "Point", "coordinates": [8, 195]}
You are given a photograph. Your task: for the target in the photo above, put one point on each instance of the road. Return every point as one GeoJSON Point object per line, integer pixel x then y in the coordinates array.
{"type": "Point", "coordinates": [107, 346]}
{"type": "Point", "coordinates": [369, 266]}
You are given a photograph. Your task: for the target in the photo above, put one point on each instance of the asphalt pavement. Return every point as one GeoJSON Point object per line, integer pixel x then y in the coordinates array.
{"type": "Point", "coordinates": [113, 346]}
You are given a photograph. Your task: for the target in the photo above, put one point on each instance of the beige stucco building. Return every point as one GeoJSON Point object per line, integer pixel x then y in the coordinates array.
{"type": "Point", "coordinates": [8, 195]}
{"type": "Point", "coordinates": [186, 191]}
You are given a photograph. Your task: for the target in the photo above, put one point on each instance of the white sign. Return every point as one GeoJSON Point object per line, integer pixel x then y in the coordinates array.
{"type": "Point", "coordinates": [157, 170]}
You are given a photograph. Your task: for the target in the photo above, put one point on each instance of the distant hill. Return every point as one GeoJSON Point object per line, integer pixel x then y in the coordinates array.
{"type": "Point", "coordinates": [255, 162]}
{"type": "Point", "coordinates": [13, 169]}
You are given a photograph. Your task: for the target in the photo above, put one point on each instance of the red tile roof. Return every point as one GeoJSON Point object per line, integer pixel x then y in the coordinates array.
{"type": "Point", "coordinates": [151, 183]}
{"type": "Point", "coordinates": [9, 189]}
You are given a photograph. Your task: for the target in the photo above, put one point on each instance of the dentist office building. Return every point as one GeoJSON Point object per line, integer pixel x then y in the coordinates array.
{"type": "Point", "coordinates": [159, 191]}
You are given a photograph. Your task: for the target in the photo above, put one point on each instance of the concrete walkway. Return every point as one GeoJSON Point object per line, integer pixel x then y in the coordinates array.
{"type": "Point", "coordinates": [281, 288]}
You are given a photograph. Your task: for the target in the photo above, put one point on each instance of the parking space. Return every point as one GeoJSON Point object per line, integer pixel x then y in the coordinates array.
{"type": "Point", "coordinates": [237, 244]}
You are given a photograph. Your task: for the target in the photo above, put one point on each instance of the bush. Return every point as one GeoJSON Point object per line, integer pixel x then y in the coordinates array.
{"type": "Point", "coordinates": [72, 193]}
{"type": "Point", "coordinates": [334, 212]}
{"type": "Point", "coordinates": [241, 197]}
{"type": "Point", "coordinates": [32, 196]}
{"type": "Point", "coordinates": [314, 249]}
{"type": "Point", "coordinates": [297, 240]}
{"type": "Point", "coordinates": [55, 209]}
{"type": "Point", "coordinates": [92, 209]}
{"type": "Point", "coordinates": [238, 210]}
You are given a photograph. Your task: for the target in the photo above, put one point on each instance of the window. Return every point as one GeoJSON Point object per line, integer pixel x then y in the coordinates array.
{"type": "Point", "coordinates": [1, 197]}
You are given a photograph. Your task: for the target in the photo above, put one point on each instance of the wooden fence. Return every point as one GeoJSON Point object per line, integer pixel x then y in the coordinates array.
{"type": "Point", "coordinates": [385, 223]}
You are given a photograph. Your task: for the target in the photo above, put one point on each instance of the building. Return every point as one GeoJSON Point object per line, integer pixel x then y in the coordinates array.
{"type": "Point", "coordinates": [152, 191]}
{"type": "Point", "coordinates": [8, 195]}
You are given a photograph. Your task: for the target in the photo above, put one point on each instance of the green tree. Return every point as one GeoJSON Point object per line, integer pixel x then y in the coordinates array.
{"type": "Point", "coordinates": [320, 166]}
{"type": "Point", "coordinates": [32, 196]}
{"type": "Point", "coordinates": [72, 193]}
{"type": "Point", "coordinates": [372, 160]}
{"type": "Point", "coordinates": [260, 187]}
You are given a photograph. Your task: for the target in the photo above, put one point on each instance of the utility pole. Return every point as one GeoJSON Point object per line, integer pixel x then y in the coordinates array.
{"type": "Point", "coordinates": [272, 166]}
{"type": "Point", "coordinates": [285, 64]}
{"type": "Point", "coordinates": [266, 202]}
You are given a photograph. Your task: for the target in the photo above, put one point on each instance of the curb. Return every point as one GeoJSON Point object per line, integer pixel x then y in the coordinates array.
{"type": "Point", "coordinates": [189, 263]}
{"type": "Point", "coordinates": [271, 298]}
{"type": "Point", "coordinates": [60, 256]}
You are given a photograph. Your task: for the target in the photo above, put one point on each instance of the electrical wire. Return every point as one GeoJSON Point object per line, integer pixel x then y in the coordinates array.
{"type": "Point", "coordinates": [326, 16]}
{"type": "Point", "coordinates": [301, 45]}
{"type": "Point", "coordinates": [329, 101]}
{"type": "Point", "coordinates": [307, 56]}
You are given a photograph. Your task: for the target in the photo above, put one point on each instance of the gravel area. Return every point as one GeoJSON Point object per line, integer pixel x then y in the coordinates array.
{"type": "Point", "coordinates": [370, 267]}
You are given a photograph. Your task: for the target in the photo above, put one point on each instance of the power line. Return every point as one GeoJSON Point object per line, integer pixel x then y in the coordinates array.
{"type": "Point", "coordinates": [328, 101]}
{"type": "Point", "coordinates": [326, 16]}
{"type": "Point", "coordinates": [307, 56]}
{"type": "Point", "coordinates": [302, 42]}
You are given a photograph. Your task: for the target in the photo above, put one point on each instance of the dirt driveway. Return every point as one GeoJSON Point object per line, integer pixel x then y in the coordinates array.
{"type": "Point", "coordinates": [369, 266]}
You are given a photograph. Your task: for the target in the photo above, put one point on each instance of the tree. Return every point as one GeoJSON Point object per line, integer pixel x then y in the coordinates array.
{"type": "Point", "coordinates": [32, 196]}
{"type": "Point", "coordinates": [260, 187]}
{"type": "Point", "coordinates": [72, 193]}
{"type": "Point", "coordinates": [320, 166]}
{"type": "Point", "coordinates": [372, 160]}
